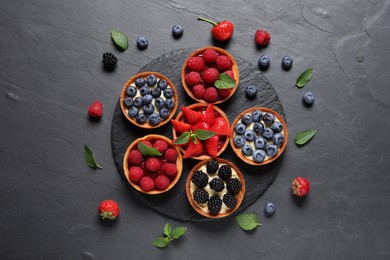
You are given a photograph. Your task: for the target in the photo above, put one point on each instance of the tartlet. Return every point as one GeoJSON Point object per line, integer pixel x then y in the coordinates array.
{"type": "Point", "coordinates": [173, 157]}
{"type": "Point", "coordinates": [159, 100]}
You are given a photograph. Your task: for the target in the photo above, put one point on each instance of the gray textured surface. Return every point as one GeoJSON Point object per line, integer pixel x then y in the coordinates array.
{"type": "Point", "coordinates": [50, 71]}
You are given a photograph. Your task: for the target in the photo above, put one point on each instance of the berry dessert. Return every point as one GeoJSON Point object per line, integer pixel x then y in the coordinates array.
{"type": "Point", "coordinates": [210, 75]}
{"type": "Point", "coordinates": [259, 135]}
{"type": "Point", "coordinates": [152, 165]}
{"type": "Point", "coordinates": [149, 99]}
{"type": "Point", "coordinates": [215, 188]}
{"type": "Point", "coordinates": [201, 131]}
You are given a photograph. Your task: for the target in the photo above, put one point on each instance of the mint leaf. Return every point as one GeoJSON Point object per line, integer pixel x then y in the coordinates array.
{"type": "Point", "coordinates": [161, 242]}
{"type": "Point", "coordinates": [119, 38]}
{"type": "Point", "coordinates": [90, 158]}
{"type": "Point", "coordinates": [304, 78]}
{"type": "Point", "coordinates": [147, 150]}
{"type": "Point", "coordinates": [183, 138]}
{"type": "Point", "coordinates": [248, 221]}
{"type": "Point", "coordinates": [193, 137]}
{"type": "Point", "coordinates": [167, 230]}
{"type": "Point", "coordinates": [178, 232]}
{"type": "Point", "coordinates": [224, 81]}
{"type": "Point", "coordinates": [204, 134]}
{"type": "Point", "coordinates": [304, 136]}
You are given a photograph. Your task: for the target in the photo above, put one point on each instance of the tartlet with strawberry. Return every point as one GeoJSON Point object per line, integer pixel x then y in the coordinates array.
{"type": "Point", "coordinates": [210, 75]}
{"type": "Point", "coordinates": [201, 131]}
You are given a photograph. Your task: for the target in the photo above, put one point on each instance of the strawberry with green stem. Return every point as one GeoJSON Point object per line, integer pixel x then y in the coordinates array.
{"type": "Point", "coordinates": [221, 31]}
{"type": "Point", "coordinates": [109, 209]}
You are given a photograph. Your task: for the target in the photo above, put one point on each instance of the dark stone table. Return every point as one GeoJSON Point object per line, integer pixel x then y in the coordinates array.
{"type": "Point", "coordinates": [51, 71]}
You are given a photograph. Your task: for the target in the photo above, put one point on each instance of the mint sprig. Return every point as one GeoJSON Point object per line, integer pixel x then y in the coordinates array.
{"type": "Point", "coordinates": [170, 235]}
{"type": "Point", "coordinates": [90, 158]}
{"type": "Point", "coordinates": [248, 221]}
{"type": "Point", "coordinates": [304, 78]}
{"type": "Point", "coordinates": [304, 136]}
{"type": "Point", "coordinates": [200, 134]}
{"type": "Point", "coordinates": [224, 82]}
{"type": "Point", "coordinates": [119, 38]}
{"type": "Point", "coordinates": [146, 150]}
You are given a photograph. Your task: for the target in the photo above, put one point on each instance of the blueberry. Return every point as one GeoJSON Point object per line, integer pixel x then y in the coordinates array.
{"type": "Point", "coordinates": [271, 150]}
{"type": "Point", "coordinates": [259, 155]}
{"type": "Point", "coordinates": [162, 84]}
{"type": "Point", "coordinates": [168, 93]}
{"type": "Point", "coordinates": [258, 127]}
{"type": "Point", "coordinates": [287, 63]}
{"type": "Point", "coordinates": [268, 133]}
{"type": "Point", "coordinates": [138, 102]}
{"type": "Point", "coordinates": [159, 103]}
{"type": "Point", "coordinates": [142, 42]}
{"type": "Point", "coordinates": [268, 118]}
{"type": "Point", "coordinates": [144, 90]}
{"type": "Point", "coordinates": [154, 119]}
{"type": "Point", "coordinates": [264, 62]}
{"type": "Point", "coordinates": [240, 129]}
{"type": "Point", "coordinates": [239, 140]}
{"type": "Point", "coordinates": [250, 135]}
{"type": "Point", "coordinates": [156, 92]}
{"type": "Point", "coordinates": [139, 82]}
{"type": "Point", "coordinates": [269, 209]}
{"type": "Point", "coordinates": [308, 99]}
{"type": "Point", "coordinates": [148, 99]}
{"type": "Point", "coordinates": [247, 150]}
{"type": "Point", "coordinates": [141, 118]}
{"type": "Point", "coordinates": [260, 143]}
{"type": "Point", "coordinates": [257, 115]}
{"type": "Point", "coordinates": [151, 80]}
{"type": "Point", "coordinates": [277, 127]}
{"type": "Point", "coordinates": [250, 92]}
{"type": "Point", "coordinates": [177, 31]}
{"type": "Point", "coordinates": [164, 112]}
{"type": "Point", "coordinates": [148, 109]}
{"type": "Point", "coordinates": [131, 91]}
{"type": "Point", "coordinates": [246, 119]}
{"type": "Point", "coordinates": [128, 102]}
{"type": "Point", "coordinates": [133, 111]}
{"type": "Point", "coordinates": [169, 103]}
{"type": "Point", "coordinates": [278, 139]}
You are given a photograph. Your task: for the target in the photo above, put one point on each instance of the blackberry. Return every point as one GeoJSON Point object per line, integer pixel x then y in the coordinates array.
{"type": "Point", "coordinates": [212, 166]}
{"type": "Point", "coordinates": [233, 185]}
{"type": "Point", "coordinates": [217, 184]}
{"type": "Point", "coordinates": [200, 179]}
{"type": "Point", "coordinates": [200, 196]}
{"type": "Point", "coordinates": [225, 172]}
{"type": "Point", "coordinates": [214, 205]}
{"type": "Point", "coordinates": [109, 60]}
{"type": "Point", "coordinates": [229, 200]}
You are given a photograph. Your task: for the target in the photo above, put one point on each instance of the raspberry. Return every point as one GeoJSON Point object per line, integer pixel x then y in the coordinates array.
{"type": "Point", "coordinates": [210, 55]}
{"type": "Point", "coordinates": [135, 173]}
{"type": "Point", "coordinates": [210, 75]}
{"type": "Point", "coordinates": [153, 164]}
{"type": "Point", "coordinates": [211, 94]}
{"type": "Point", "coordinates": [262, 38]}
{"type": "Point", "coordinates": [147, 143]}
{"type": "Point", "coordinates": [196, 64]}
{"type": "Point", "coordinates": [230, 73]}
{"type": "Point", "coordinates": [162, 182]}
{"type": "Point", "coordinates": [146, 183]}
{"type": "Point", "coordinates": [192, 78]}
{"type": "Point", "coordinates": [160, 145]}
{"type": "Point", "coordinates": [170, 155]}
{"type": "Point", "coordinates": [95, 110]}
{"type": "Point", "coordinates": [223, 93]}
{"type": "Point", "coordinates": [135, 157]}
{"type": "Point", "coordinates": [170, 169]}
{"type": "Point", "coordinates": [223, 63]}
{"type": "Point", "coordinates": [198, 91]}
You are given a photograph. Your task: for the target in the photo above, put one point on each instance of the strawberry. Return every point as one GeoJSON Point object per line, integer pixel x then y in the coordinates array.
{"type": "Point", "coordinates": [109, 209]}
{"type": "Point", "coordinates": [200, 125]}
{"type": "Point", "coordinates": [208, 115]}
{"type": "Point", "coordinates": [221, 127]}
{"type": "Point", "coordinates": [180, 127]}
{"type": "Point", "coordinates": [95, 110]}
{"type": "Point", "coordinates": [262, 38]}
{"type": "Point", "coordinates": [190, 115]}
{"type": "Point", "coordinates": [300, 186]}
{"type": "Point", "coordinates": [221, 31]}
{"type": "Point", "coordinates": [193, 149]}
{"type": "Point", "coordinates": [211, 146]}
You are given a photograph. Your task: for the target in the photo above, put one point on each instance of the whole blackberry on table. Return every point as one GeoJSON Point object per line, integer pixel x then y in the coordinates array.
{"type": "Point", "coordinates": [229, 200]}
{"type": "Point", "coordinates": [233, 185]}
{"type": "Point", "coordinates": [212, 166]}
{"type": "Point", "coordinates": [214, 205]}
{"type": "Point", "coordinates": [200, 196]}
{"type": "Point", "coordinates": [109, 60]}
{"type": "Point", "coordinates": [225, 172]}
{"type": "Point", "coordinates": [217, 184]}
{"type": "Point", "coordinates": [200, 179]}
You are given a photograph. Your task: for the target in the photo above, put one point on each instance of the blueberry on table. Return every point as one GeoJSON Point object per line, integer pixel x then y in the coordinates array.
{"type": "Point", "coordinates": [138, 102]}
{"type": "Point", "coordinates": [131, 91]}
{"type": "Point", "coordinates": [177, 31]}
{"type": "Point", "coordinates": [308, 99]}
{"type": "Point", "coordinates": [133, 111]}
{"type": "Point", "coordinates": [159, 102]}
{"type": "Point", "coordinates": [162, 84]}
{"type": "Point", "coordinates": [250, 135]}
{"type": "Point", "coordinates": [128, 102]}
{"type": "Point", "coordinates": [257, 115]}
{"type": "Point", "coordinates": [269, 209]}
{"type": "Point", "coordinates": [264, 62]}
{"type": "Point", "coordinates": [268, 133]}
{"type": "Point", "coordinates": [250, 92]}
{"type": "Point", "coordinates": [278, 139]}
{"type": "Point", "coordinates": [268, 118]}
{"type": "Point", "coordinates": [246, 119]}
{"type": "Point", "coordinates": [141, 118]}
{"type": "Point", "coordinates": [239, 140]}
{"type": "Point", "coordinates": [277, 127]}
{"type": "Point", "coordinates": [247, 150]}
{"type": "Point", "coordinates": [271, 150]}
{"type": "Point", "coordinates": [260, 143]}
{"type": "Point", "coordinates": [287, 63]}
{"type": "Point", "coordinates": [164, 113]}
{"type": "Point", "coordinates": [148, 99]}
{"type": "Point", "coordinates": [142, 42]}
{"type": "Point", "coordinates": [156, 92]}
{"type": "Point", "coordinates": [148, 109]}
{"type": "Point", "coordinates": [154, 119]}
{"type": "Point", "coordinates": [168, 93]}
{"type": "Point", "coordinates": [139, 82]}
{"type": "Point", "coordinates": [239, 129]}
{"type": "Point", "coordinates": [259, 156]}
{"type": "Point", "coordinates": [258, 127]}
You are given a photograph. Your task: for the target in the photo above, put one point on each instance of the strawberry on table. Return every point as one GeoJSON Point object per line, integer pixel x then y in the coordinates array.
{"type": "Point", "coordinates": [300, 186]}
{"type": "Point", "coordinates": [109, 209]}
{"type": "Point", "coordinates": [221, 31]}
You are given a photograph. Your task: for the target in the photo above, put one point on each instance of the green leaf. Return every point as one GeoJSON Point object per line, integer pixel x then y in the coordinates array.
{"type": "Point", "coordinates": [248, 221]}
{"type": "Point", "coordinates": [183, 138]}
{"type": "Point", "coordinates": [178, 232]}
{"type": "Point", "coordinates": [147, 150]}
{"type": "Point", "coordinates": [161, 242]}
{"type": "Point", "coordinates": [224, 81]}
{"type": "Point", "coordinates": [167, 230]}
{"type": "Point", "coordinates": [204, 134]}
{"type": "Point", "coordinates": [304, 78]}
{"type": "Point", "coordinates": [90, 158]}
{"type": "Point", "coordinates": [119, 38]}
{"type": "Point", "coordinates": [304, 136]}
{"type": "Point", "coordinates": [193, 137]}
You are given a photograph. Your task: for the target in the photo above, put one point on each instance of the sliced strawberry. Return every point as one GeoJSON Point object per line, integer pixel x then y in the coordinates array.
{"type": "Point", "coordinates": [211, 146]}
{"type": "Point", "coordinates": [193, 149]}
{"type": "Point", "coordinates": [180, 127]}
{"type": "Point", "coordinates": [208, 115]}
{"type": "Point", "coordinates": [190, 115]}
{"type": "Point", "coordinates": [200, 125]}
{"type": "Point", "coordinates": [221, 127]}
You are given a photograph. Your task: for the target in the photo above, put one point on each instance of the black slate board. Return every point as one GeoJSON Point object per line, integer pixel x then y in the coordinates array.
{"type": "Point", "coordinates": [174, 203]}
